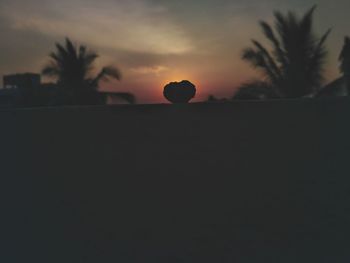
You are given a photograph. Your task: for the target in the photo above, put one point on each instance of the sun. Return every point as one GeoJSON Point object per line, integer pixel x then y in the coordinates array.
{"type": "Point", "coordinates": [178, 77]}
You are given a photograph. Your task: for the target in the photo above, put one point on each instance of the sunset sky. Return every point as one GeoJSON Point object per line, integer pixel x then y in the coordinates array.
{"type": "Point", "coordinates": [157, 41]}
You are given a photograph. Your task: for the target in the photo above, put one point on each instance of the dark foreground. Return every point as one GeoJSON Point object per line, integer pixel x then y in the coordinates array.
{"type": "Point", "coordinates": [246, 182]}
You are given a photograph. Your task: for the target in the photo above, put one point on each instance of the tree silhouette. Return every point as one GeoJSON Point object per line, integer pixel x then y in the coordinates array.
{"type": "Point", "coordinates": [121, 96]}
{"type": "Point", "coordinates": [295, 64]}
{"type": "Point", "coordinates": [345, 62]}
{"type": "Point", "coordinates": [72, 67]}
{"type": "Point", "coordinates": [180, 92]}
{"type": "Point", "coordinates": [256, 90]}
{"type": "Point", "coordinates": [212, 98]}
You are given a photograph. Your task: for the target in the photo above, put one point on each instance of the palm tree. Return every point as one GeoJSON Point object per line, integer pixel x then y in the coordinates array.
{"type": "Point", "coordinates": [345, 62]}
{"type": "Point", "coordinates": [294, 66]}
{"type": "Point", "coordinates": [71, 66]}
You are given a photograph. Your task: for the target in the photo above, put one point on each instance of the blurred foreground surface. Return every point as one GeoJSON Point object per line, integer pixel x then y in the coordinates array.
{"type": "Point", "coordinates": [244, 182]}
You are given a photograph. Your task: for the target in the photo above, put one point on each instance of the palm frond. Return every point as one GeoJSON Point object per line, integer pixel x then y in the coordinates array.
{"type": "Point", "coordinates": [113, 72]}
{"type": "Point", "coordinates": [344, 57]}
{"type": "Point", "coordinates": [283, 29]}
{"type": "Point", "coordinates": [50, 70]}
{"type": "Point", "coordinates": [257, 60]}
{"type": "Point", "coordinates": [82, 52]}
{"type": "Point", "coordinates": [269, 33]}
{"type": "Point", "coordinates": [345, 47]}
{"type": "Point", "coordinates": [307, 19]}
{"type": "Point", "coordinates": [71, 49]}
{"type": "Point", "coordinates": [56, 58]}
{"type": "Point", "coordinates": [61, 51]}
{"type": "Point", "coordinates": [274, 71]}
{"type": "Point", "coordinates": [89, 58]}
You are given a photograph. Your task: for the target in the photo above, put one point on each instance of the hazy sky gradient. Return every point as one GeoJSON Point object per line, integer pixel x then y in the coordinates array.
{"type": "Point", "coordinates": [157, 41]}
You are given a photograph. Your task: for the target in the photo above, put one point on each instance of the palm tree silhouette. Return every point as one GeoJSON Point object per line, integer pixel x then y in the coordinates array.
{"type": "Point", "coordinates": [72, 67]}
{"type": "Point", "coordinates": [295, 64]}
{"type": "Point", "coordinates": [345, 62]}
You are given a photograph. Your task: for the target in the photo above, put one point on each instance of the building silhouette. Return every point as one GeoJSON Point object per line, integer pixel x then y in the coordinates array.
{"type": "Point", "coordinates": [19, 81]}
{"type": "Point", "coordinates": [27, 90]}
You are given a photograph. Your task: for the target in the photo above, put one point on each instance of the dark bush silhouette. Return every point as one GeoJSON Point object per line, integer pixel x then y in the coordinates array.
{"type": "Point", "coordinates": [130, 98]}
{"type": "Point", "coordinates": [345, 62]}
{"type": "Point", "coordinates": [213, 99]}
{"type": "Point", "coordinates": [256, 90]}
{"type": "Point", "coordinates": [121, 96]}
{"type": "Point", "coordinates": [295, 66]}
{"type": "Point", "coordinates": [72, 66]}
{"type": "Point", "coordinates": [180, 92]}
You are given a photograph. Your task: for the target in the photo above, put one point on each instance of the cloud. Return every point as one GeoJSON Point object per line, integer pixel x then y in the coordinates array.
{"type": "Point", "coordinates": [155, 70]}
{"type": "Point", "coordinates": [131, 25]}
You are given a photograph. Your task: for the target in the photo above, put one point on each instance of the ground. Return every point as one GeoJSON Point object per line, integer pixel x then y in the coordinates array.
{"type": "Point", "coordinates": [215, 182]}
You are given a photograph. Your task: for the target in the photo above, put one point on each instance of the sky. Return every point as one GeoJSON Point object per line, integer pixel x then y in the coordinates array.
{"type": "Point", "coordinates": [155, 42]}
